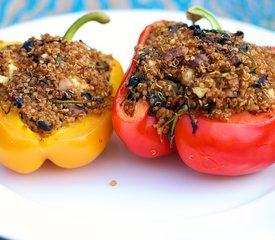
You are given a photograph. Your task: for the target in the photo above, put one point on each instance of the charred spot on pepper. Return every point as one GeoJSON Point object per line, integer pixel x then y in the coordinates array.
{"type": "Point", "coordinates": [44, 126]}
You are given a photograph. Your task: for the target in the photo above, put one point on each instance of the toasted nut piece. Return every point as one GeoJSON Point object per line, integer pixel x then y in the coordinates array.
{"type": "Point", "coordinates": [200, 92]}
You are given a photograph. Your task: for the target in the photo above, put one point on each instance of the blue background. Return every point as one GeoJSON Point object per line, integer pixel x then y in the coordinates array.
{"type": "Point", "coordinates": [257, 12]}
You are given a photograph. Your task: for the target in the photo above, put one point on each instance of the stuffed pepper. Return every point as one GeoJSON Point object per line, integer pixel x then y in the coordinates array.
{"type": "Point", "coordinates": [55, 100]}
{"type": "Point", "coordinates": [206, 93]}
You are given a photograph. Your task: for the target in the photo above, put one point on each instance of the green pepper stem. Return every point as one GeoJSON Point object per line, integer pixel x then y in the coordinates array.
{"type": "Point", "coordinates": [95, 16]}
{"type": "Point", "coordinates": [196, 13]}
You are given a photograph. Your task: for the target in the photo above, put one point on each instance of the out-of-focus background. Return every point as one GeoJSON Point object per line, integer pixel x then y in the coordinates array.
{"type": "Point", "coordinates": [257, 12]}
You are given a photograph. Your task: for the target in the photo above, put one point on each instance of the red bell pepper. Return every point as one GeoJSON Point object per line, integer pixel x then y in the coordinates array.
{"type": "Point", "coordinates": [137, 131]}
{"type": "Point", "coordinates": [243, 144]}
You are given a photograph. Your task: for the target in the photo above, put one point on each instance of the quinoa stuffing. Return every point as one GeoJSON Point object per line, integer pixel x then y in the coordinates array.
{"type": "Point", "coordinates": [190, 70]}
{"type": "Point", "coordinates": [52, 83]}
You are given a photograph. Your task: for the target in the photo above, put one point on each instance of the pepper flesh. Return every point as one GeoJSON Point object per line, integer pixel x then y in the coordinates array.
{"type": "Point", "coordinates": [137, 131]}
{"type": "Point", "coordinates": [244, 144]}
{"type": "Point", "coordinates": [24, 151]}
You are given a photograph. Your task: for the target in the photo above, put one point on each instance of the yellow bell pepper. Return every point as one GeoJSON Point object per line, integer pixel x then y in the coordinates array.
{"type": "Point", "coordinates": [24, 151]}
{"type": "Point", "coordinates": [3, 44]}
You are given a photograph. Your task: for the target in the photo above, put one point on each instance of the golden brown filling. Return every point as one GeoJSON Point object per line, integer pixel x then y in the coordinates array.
{"type": "Point", "coordinates": [52, 83]}
{"type": "Point", "coordinates": [207, 72]}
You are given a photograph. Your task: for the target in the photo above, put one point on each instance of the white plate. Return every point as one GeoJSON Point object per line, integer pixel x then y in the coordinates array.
{"type": "Point", "coordinates": [154, 199]}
